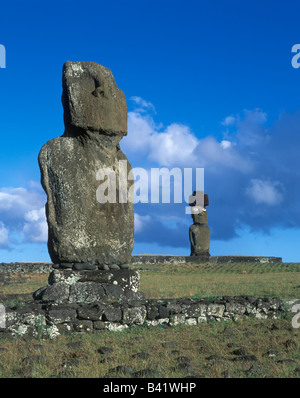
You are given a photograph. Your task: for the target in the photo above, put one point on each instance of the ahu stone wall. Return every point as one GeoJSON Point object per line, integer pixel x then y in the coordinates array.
{"type": "Point", "coordinates": [38, 319]}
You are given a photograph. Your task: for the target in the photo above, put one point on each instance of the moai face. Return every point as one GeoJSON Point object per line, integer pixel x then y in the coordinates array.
{"type": "Point", "coordinates": [92, 101]}
{"type": "Point", "coordinates": [198, 201]}
{"type": "Point", "coordinates": [200, 216]}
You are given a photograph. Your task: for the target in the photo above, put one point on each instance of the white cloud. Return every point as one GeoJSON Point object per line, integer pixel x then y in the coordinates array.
{"type": "Point", "coordinates": [14, 202]}
{"type": "Point", "coordinates": [144, 105]}
{"type": "Point", "coordinates": [172, 146]}
{"type": "Point", "coordinates": [177, 146]}
{"type": "Point", "coordinates": [225, 144]}
{"type": "Point", "coordinates": [214, 154]}
{"type": "Point", "coordinates": [36, 232]}
{"type": "Point", "coordinates": [36, 228]}
{"type": "Point", "coordinates": [22, 212]}
{"type": "Point", "coordinates": [265, 192]}
{"type": "Point", "coordinates": [35, 215]}
{"type": "Point", "coordinates": [140, 222]}
{"type": "Point", "coordinates": [229, 121]}
{"type": "Point", "coordinates": [140, 131]}
{"type": "Point", "coordinates": [12, 198]}
{"type": "Point", "coordinates": [4, 238]}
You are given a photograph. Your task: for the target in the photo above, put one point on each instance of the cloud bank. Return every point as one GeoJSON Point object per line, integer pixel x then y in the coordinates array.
{"type": "Point", "coordinates": [251, 174]}
{"type": "Point", "coordinates": [22, 216]}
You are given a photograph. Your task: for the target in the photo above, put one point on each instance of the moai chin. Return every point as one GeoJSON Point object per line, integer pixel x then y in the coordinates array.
{"type": "Point", "coordinates": [83, 231]}
{"type": "Point", "coordinates": [199, 232]}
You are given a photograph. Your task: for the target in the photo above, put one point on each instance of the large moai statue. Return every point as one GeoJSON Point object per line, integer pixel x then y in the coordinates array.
{"type": "Point", "coordinates": [199, 232]}
{"type": "Point", "coordinates": [82, 230]}
{"type": "Point", "coordinates": [90, 240]}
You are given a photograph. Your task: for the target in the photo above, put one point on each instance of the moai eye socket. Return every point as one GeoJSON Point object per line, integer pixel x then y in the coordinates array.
{"type": "Point", "coordinates": [98, 92]}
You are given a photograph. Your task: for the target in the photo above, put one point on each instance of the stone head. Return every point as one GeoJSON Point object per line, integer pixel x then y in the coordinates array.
{"type": "Point", "coordinates": [92, 101]}
{"type": "Point", "coordinates": [199, 216]}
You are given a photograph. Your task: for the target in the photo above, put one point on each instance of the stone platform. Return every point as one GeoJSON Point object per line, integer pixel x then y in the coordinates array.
{"type": "Point", "coordinates": [87, 286]}
{"type": "Point", "coordinates": [38, 319]}
{"type": "Point", "coordinates": [140, 259]}
{"type": "Point", "coordinates": [167, 259]}
{"type": "Point", "coordinates": [91, 301]}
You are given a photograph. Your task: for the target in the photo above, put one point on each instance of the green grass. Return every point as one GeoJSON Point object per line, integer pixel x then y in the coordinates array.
{"type": "Point", "coordinates": [20, 283]}
{"type": "Point", "coordinates": [225, 268]}
{"type": "Point", "coordinates": [189, 280]}
{"type": "Point", "coordinates": [53, 358]}
{"type": "Point", "coordinates": [210, 280]}
{"type": "Point", "coordinates": [204, 285]}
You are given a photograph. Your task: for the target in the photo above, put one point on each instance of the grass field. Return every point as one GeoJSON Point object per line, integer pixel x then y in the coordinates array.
{"type": "Point", "coordinates": [212, 280]}
{"type": "Point", "coordinates": [253, 348]}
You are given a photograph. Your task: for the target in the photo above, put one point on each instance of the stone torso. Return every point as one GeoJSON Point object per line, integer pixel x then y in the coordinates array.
{"type": "Point", "coordinates": [80, 228]}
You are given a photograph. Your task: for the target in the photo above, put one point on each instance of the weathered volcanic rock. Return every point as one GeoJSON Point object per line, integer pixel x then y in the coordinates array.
{"type": "Point", "coordinates": [200, 239]}
{"type": "Point", "coordinates": [127, 279]}
{"type": "Point", "coordinates": [200, 218]}
{"type": "Point", "coordinates": [81, 229]}
{"type": "Point", "coordinates": [71, 286]}
{"type": "Point", "coordinates": [92, 100]}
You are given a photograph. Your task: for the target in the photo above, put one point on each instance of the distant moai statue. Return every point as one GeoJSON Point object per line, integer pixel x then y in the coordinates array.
{"type": "Point", "coordinates": [2, 56]}
{"type": "Point", "coordinates": [199, 232]}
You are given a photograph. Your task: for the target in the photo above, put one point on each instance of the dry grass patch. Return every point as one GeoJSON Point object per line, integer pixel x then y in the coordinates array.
{"type": "Point", "coordinates": [270, 348]}
{"type": "Point", "coordinates": [22, 283]}
{"type": "Point", "coordinates": [206, 350]}
{"type": "Point", "coordinates": [163, 285]}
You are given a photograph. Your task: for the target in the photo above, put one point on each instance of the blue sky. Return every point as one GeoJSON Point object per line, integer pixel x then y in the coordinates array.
{"type": "Point", "coordinates": [208, 84]}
